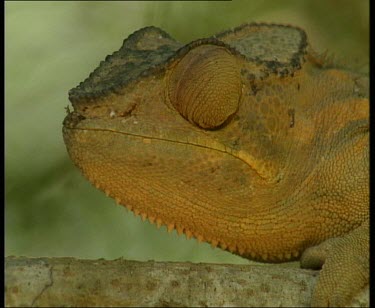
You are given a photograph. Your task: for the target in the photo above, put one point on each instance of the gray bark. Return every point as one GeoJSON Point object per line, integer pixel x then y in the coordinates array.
{"type": "Point", "coordinates": [73, 282]}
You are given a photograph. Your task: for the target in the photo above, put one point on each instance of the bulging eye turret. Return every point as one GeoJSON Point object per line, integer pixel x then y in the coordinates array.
{"type": "Point", "coordinates": [205, 86]}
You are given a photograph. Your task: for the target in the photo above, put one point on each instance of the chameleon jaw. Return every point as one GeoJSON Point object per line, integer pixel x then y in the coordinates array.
{"type": "Point", "coordinates": [214, 242]}
{"type": "Point", "coordinates": [127, 179]}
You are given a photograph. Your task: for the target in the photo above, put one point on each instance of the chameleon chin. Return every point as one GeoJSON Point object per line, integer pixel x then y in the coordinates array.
{"type": "Point", "coordinates": [247, 140]}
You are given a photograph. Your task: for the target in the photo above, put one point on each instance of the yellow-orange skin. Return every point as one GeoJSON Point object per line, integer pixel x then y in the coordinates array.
{"type": "Point", "coordinates": [265, 174]}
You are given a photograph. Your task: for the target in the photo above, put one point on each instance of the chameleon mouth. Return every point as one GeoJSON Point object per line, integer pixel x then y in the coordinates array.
{"type": "Point", "coordinates": [76, 121]}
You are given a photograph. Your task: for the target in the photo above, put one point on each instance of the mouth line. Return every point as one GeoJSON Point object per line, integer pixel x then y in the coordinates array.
{"type": "Point", "coordinates": [217, 146]}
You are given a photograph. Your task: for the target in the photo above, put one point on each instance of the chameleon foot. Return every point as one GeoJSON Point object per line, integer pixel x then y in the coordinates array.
{"type": "Point", "coordinates": [345, 267]}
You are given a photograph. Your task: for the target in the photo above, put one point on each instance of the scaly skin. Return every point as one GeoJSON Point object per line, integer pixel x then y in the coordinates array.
{"type": "Point", "coordinates": [246, 140]}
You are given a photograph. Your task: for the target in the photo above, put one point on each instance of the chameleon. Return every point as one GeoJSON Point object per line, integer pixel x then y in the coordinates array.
{"type": "Point", "coordinates": [248, 140]}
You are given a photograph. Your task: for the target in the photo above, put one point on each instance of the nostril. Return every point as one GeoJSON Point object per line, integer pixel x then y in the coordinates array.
{"type": "Point", "coordinates": [128, 112]}
{"type": "Point", "coordinates": [72, 119]}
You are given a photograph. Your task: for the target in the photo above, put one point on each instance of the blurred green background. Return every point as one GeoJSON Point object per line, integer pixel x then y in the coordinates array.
{"type": "Point", "coordinates": [51, 210]}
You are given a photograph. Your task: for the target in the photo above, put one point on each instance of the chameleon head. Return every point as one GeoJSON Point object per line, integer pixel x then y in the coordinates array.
{"type": "Point", "coordinates": [204, 139]}
{"type": "Point", "coordinates": [158, 143]}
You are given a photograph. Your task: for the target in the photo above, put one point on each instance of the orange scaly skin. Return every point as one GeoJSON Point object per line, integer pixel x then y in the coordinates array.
{"type": "Point", "coordinates": [245, 140]}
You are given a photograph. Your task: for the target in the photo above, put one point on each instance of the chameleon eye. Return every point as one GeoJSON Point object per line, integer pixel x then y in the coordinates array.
{"type": "Point", "coordinates": [205, 86]}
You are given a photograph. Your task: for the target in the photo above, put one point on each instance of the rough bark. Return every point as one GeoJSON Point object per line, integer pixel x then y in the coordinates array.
{"type": "Point", "coordinates": [73, 282]}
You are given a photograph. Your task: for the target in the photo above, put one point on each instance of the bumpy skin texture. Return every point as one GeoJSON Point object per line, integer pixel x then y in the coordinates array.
{"type": "Point", "coordinates": [247, 140]}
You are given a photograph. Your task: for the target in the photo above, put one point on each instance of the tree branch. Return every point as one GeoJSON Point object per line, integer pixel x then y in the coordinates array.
{"type": "Point", "coordinates": [73, 282]}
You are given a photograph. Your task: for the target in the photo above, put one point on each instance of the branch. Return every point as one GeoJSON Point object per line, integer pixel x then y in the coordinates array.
{"type": "Point", "coordinates": [74, 282]}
